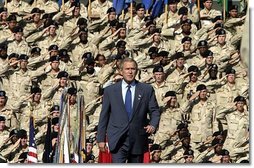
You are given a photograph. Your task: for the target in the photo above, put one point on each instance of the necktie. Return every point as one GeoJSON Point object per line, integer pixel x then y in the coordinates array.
{"type": "Point", "coordinates": [128, 102]}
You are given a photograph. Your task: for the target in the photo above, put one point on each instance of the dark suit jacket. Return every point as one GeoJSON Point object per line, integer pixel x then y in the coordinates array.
{"type": "Point", "coordinates": [114, 119]}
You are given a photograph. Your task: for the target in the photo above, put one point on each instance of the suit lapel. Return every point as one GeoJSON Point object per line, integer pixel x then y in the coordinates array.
{"type": "Point", "coordinates": [119, 97]}
{"type": "Point", "coordinates": [137, 98]}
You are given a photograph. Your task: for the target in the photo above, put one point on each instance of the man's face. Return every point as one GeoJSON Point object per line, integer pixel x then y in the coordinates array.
{"type": "Point", "coordinates": [186, 28]}
{"type": "Point", "coordinates": [36, 17]}
{"type": "Point", "coordinates": [221, 39]}
{"type": "Point", "coordinates": [180, 62]}
{"type": "Point", "coordinates": [203, 94]}
{"type": "Point", "coordinates": [55, 65]}
{"type": "Point", "coordinates": [76, 11]}
{"type": "Point", "coordinates": [83, 36]}
{"type": "Point", "coordinates": [233, 13]}
{"type": "Point", "coordinates": [129, 71]}
{"type": "Point", "coordinates": [12, 24]}
{"type": "Point", "coordinates": [73, 98]}
{"type": "Point", "coordinates": [18, 36]}
{"type": "Point", "coordinates": [225, 159]}
{"type": "Point", "coordinates": [157, 155]}
{"type": "Point", "coordinates": [151, 29]}
{"type": "Point", "coordinates": [101, 60]}
{"type": "Point", "coordinates": [231, 78]}
{"type": "Point", "coordinates": [159, 77]}
{"type": "Point", "coordinates": [173, 7]}
{"type": "Point", "coordinates": [157, 37]}
{"type": "Point", "coordinates": [63, 82]}
{"type": "Point", "coordinates": [189, 159]}
{"type": "Point", "coordinates": [56, 114]}
{"type": "Point", "coordinates": [141, 13]}
{"type": "Point", "coordinates": [56, 127]}
{"type": "Point", "coordinates": [208, 4]}
{"type": "Point", "coordinates": [209, 60]}
{"type": "Point", "coordinates": [89, 147]}
{"type": "Point", "coordinates": [218, 148]}
{"type": "Point", "coordinates": [2, 101]}
{"type": "Point", "coordinates": [186, 45]}
{"type": "Point", "coordinates": [2, 125]}
{"type": "Point", "coordinates": [4, 15]}
{"type": "Point", "coordinates": [202, 50]}
{"type": "Point", "coordinates": [23, 141]}
{"type": "Point", "coordinates": [240, 106]}
{"type": "Point", "coordinates": [194, 77]}
{"type": "Point", "coordinates": [122, 33]}
{"type": "Point", "coordinates": [52, 30]}
{"type": "Point", "coordinates": [173, 101]}
{"type": "Point", "coordinates": [213, 73]}
{"type": "Point", "coordinates": [53, 53]}
{"type": "Point", "coordinates": [112, 16]}
{"type": "Point", "coordinates": [23, 64]}
{"type": "Point", "coordinates": [37, 97]}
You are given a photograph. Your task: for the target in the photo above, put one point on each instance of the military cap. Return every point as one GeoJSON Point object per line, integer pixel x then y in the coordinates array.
{"type": "Point", "coordinates": [230, 71]}
{"type": "Point", "coordinates": [83, 30]}
{"type": "Point", "coordinates": [187, 21]}
{"type": "Point", "coordinates": [182, 125]}
{"type": "Point", "coordinates": [72, 91]}
{"type": "Point", "coordinates": [219, 17]}
{"type": "Point", "coordinates": [148, 18]}
{"type": "Point", "coordinates": [120, 43]}
{"type": "Point", "coordinates": [163, 53]}
{"type": "Point", "coordinates": [35, 50]}
{"type": "Point", "coordinates": [217, 141]}
{"type": "Point", "coordinates": [36, 10]}
{"type": "Point", "coordinates": [2, 93]}
{"type": "Point", "coordinates": [128, 3]}
{"type": "Point", "coordinates": [12, 18]}
{"type": "Point", "coordinates": [208, 53]}
{"type": "Point", "coordinates": [76, 4]}
{"type": "Point", "coordinates": [55, 120]}
{"type": "Point", "coordinates": [157, 30]}
{"type": "Point", "coordinates": [3, 9]}
{"type": "Point", "coordinates": [188, 152]}
{"type": "Point", "coordinates": [139, 6]}
{"type": "Point", "coordinates": [13, 132]}
{"type": "Point", "coordinates": [178, 55]}
{"type": "Point", "coordinates": [35, 89]}
{"type": "Point", "coordinates": [3, 46]}
{"type": "Point", "coordinates": [90, 61]}
{"type": "Point", "coordinates": [87, 55]}
{"type": "Point", "coordinates": [23, 156]}
{"type": "Point", "coordinates": [220, 32]}
{"type": "Point", "coordinates": [201, 87]}
{"type": "Point", "coordinates": [217, 133]}
{"type": "Point", "coordinates": [121, 25]}
{"type": "Point", "coordinates": [63, 53]}
{"type": "Point", "coordinates": [62, 74]}
{"type": "Point", "coordinates": [13, 55]}
{"type": "Point", "coordinates": [23, 57]}
{"type": "Point", "coordinates": [155, 147]}
{"type": "Point", "coordinates": [117, 57]}
{"type": "Point", "coordinates": [54, 58]}
{"type": "Point", "coordinates": [213, 66]}
{"type": "Point", "coordinates": [150, 22]}
{"type": "Point", "coordinates": [172, 1]}
{"type": "Point", "coordinates": [202, 43]}
{"type": "Point", "coordinates": [153, 50]}
{"type": "Point", "coordinates": [55, 108]}
{"type": "Point", "coordinates": [158, 68]}
{"type": "Point", "coordinates": [170, 93]}
{"type": "Point", "coordinates": [224, 152]}
{"type": "Point", "coordinates": [183, 11]}
{"type": "Point", "coordinates": [111, 9]}
{"type": "Point", "coordinates": [113, 23]}
{"type": "Point", "coordinates": [22, 133]}
{"type": "Point", "coordinates": [233, 7]}
{"type": "Point", "coordinates": [90, 140]}
{"type": "Point", "coordinates": [218, 25]}
{"type": "Point", "coordinates": [47, 16]}
{"type": "Point", "coordinates": [53, 47]}
{"type": "Point", "coordinates": [2, 118]}
{"type": "Point", "coordinates": [150, 141]}
{"type": "Point", "coordinates": [52, 23]}
{"type": "Point", "coordinates": [184, 135]}
{"type": "Point", "coordinates": [193, 68]}
{"type": "Point", "coordinates": [186, 38]}
{"type": "Point", "coordinates": [54, 135]}
{"type": "Point", "coordinates": [81, 21]}
{"type": "Point", "coordinates": [239, 98]}
{"type": "Point", "coordinates": [17, 29]}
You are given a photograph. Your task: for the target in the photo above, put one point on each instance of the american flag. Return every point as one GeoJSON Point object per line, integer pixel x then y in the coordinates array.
{"type": "Point", "coordinates": [32, 150]}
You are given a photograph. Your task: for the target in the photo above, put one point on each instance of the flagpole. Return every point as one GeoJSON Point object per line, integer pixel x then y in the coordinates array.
{"type": "Point", "coordinates": [199, 5]}
{"type": "Point", "coordinates": [224, 10]}
{"type": "Point", "coordinates": [147, 12]}
{"type": "Point", "coordinates": [89, 9]}
{"type": "Point", "coordinates": [131, 14]}
{"type": "Point", "coordinates": [5, 3]}
{"type": "Point", "coordinates": [123, 15]}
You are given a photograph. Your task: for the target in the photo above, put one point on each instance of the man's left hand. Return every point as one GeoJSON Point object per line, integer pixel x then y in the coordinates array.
{"type": "Point", "coordinates": [149, 129]}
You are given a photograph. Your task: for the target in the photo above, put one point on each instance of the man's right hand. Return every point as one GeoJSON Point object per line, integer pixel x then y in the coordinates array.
{"type": "Point", "coordinates": [102, 146]}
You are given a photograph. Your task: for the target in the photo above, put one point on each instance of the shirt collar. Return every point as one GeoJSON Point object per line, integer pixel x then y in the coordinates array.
{"type": "Point", "coordinates": [124, 84]}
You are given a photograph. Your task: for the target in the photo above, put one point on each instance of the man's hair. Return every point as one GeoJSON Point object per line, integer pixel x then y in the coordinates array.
{"type": "Point", "coordinates": [128, 60]}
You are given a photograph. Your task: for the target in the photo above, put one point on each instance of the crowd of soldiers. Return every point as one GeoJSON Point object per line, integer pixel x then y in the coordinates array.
{"type": "Point", "coordinates": [191, 58]}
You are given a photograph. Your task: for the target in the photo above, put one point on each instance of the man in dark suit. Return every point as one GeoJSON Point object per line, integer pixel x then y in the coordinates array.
{"type": "Point", "coordinates": [123, 119]}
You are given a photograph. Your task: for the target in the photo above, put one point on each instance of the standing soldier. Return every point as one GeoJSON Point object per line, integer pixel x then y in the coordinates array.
{"type": "Point", "coordinates": [4, 132]}
{"type": "Point", "coordinates": [208, 13]}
